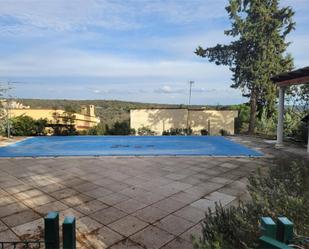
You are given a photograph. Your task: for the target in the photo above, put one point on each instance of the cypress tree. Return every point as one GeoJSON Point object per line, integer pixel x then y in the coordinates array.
{"type": "Point", "coordinates": [257, 52]}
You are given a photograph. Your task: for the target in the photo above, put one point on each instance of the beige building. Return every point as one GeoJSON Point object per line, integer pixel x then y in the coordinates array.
{"type": "Point", "coordinates": [159, 120]}
{"type": "Point", "coordinates": [82, 121]}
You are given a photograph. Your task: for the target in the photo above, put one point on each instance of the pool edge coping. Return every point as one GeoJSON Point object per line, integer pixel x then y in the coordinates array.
{"type": "Point", "coordinates": [131, 156]}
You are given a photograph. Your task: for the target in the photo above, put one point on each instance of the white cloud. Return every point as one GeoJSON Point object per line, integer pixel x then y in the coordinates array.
{"type": "Point", "coordinates": [168, 90]}
{"type": "Point", "coordinates": [58, 15]}
{"type": "Point", "coordinates": [182, 45]}
{"type": "Point", "coordinates": [182, 11]}
{"type": "Point", "coordinates": [110, 91]}
{"type": "Point", "coordinates": [203, 90]}
{"type": "Point", "coordinates": [97, 91]}
{"type": "Point", "coordinates": [71, 15]}
{"type": "Point", "coordinates": [76, 63]}
{"type": "Point", "coordinates": [180, 89]}
{"type": "Point", "coordinates": [165, 89]}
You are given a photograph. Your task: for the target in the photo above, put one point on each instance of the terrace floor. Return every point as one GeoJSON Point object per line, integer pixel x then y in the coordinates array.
{"type": "Point", "coordinates": [124, 202]}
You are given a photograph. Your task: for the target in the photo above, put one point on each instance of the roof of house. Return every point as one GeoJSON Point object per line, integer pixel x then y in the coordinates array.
{"type": "Point", "coordinates": [298, 73]}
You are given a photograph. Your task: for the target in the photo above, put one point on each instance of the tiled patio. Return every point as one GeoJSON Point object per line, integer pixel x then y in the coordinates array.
{"type": "Point", "coordinates": [122, 202]}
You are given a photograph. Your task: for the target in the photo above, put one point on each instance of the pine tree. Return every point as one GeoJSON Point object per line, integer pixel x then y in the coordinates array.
{"type": "Point", "coordinates": [258, 51]}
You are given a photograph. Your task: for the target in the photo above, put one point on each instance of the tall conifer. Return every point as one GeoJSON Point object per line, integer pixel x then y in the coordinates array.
{"type": "Point", "coordinates": [258, 51]}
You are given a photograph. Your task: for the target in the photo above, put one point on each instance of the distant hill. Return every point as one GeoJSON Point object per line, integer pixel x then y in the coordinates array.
{"type": "Point", "coordinates": [109, 111]}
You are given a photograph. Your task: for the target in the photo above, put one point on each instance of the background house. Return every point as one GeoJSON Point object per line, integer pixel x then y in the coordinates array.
{"type": "Point", "coordinates": [84, 120]}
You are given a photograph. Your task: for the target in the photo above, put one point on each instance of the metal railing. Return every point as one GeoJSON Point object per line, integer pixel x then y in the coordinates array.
{"type": "Point", "coordinates": [21, 244]}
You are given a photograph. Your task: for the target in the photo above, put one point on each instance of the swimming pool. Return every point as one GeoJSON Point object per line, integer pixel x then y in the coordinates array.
{"type": "Point", "coordinates": [126, 146]}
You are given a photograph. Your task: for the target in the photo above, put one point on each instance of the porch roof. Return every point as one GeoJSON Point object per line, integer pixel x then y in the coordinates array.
{"type": "Point", "coordinates": [295, 77]}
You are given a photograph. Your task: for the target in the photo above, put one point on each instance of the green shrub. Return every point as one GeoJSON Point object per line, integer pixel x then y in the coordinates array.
{"type": "Point", "coordinates": [145, 131]}
{"type": "Point", "coordinates": [99, 129]}
{"type": "Point", "coordinates": [301, 133]}
{"type": "Point", "coordinates": [294, 126]}
{"type": "Point", "coordinates": [177, 132]}
{"type": "Point", "coordinates": [64, 124]}
{"type": "Point", "coordinates": [132, 132]}
{"type": "Point", "coordinates": [119, 128]}
{"type": "Point", "coordinates": [224, 132]}
{"type": "Point", "coordinates": [204, 132]}
{"type": "Point", "coordinates": [266, 125]}
{"type": "Point", "coordinates": [229, 228]}
{"type": "Point", "coordinates": [27, 126]}
{"type": "Point", "coordinates": [64, 130]}
{"type": "Point", "coordinates": [40, 127]}
{"type": "Point", "coordinates": [242, 120]}
{"type": "Point", "coordinates": [284, 191]}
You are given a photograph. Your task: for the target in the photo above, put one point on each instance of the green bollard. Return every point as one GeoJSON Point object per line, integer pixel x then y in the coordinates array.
{"type": "Point", "coordinates": [69, 232]}
{"type": "Point", "coordinates": [51, 230]}
{"type": "Point", "coordinates": [284, 230]}
{"type": "Point", "coordinates": [268, 227]}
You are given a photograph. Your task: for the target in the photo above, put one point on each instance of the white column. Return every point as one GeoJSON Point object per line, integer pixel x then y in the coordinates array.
{"type": "Point", "coordinates": [280, 118]}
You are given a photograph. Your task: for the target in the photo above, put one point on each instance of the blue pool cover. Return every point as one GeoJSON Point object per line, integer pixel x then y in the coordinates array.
{"type": "Point", "coordinates": [126, 146]}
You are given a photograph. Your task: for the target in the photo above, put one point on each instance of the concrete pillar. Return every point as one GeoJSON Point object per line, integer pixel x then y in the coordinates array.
{"type": "Point", "coordinates": [280, 118]}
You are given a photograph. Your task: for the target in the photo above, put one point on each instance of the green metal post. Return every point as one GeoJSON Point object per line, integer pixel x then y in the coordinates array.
{"type": "Point", "coordinates": [284, 230]}
{"type": "Point", "coordinates": [69, 232]}
{"type": "Point", "coordinates": [268, 227]}
{"type": "Point", "coordinates": [270, 243]}
{"type": "Point", "coordinates": [51, 230]}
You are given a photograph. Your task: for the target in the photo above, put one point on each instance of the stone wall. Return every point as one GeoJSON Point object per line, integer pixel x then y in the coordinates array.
{"type": "Point", "coordinates": [159, 120]}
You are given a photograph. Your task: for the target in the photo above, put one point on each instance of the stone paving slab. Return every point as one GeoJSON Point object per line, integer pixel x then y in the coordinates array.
{"type": "Point", "coordinates": [204, 204]}
{"type": "Point", "coordinates": [108, 215]}
{"type": "Point", "coordinates": [174, 225]}
{"type": "Point", "coordinates": [8, 235]}
{"type": "Point", "coordinates": [222, 198]}
{"type": "Point", "coordinates": [127, 244]}
{"type": "Point", "coordinates": [20, 218]}
{"type": "Point", "coordinates": [191, 214]}
{"type": "Point", "coordinates": [11, 209]}
{"type": "Point", "coordinates": [100, 238]}
{"type": "Point", "coordinates": [150, 214]}
{"type": "Point", "coordinates": [122, 202]}
{"type": "Point", "coordinates": [130, 206]}
{"type": "Point", "coordinates": [146, 199]}
{"type": "Point", "coordinates": [31, 230]}
{"type": "Point", "coordinates": [152, 237]}
{"type": "Point", "coordinates": [178, 243]}
{"type": "Point", "coordinates": [128, 225]}
{"type": "Point", "coordinates": [87, 225]}
{"type": "Point", "coordinates": [3, 227]}
{"type": "Point", "coordinates": [196, 231]}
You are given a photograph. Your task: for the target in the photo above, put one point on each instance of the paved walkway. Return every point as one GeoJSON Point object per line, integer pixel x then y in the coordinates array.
{"type": "Point", "coordinates": [122, 202]}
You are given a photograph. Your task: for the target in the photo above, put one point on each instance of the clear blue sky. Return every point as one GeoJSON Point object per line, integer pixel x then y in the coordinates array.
{"type": "Point", "coordinates": [137, 50]}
